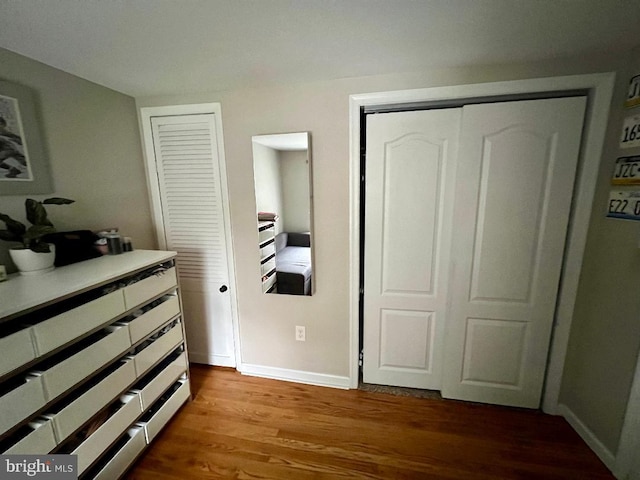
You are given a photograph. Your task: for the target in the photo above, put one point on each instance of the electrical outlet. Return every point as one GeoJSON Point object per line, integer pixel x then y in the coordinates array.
{"type": "Point", "coordinates": [300, 334]}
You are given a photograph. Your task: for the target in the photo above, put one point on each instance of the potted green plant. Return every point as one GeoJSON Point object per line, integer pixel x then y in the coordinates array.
{"type": "Point", "coordinates": [34, 255]}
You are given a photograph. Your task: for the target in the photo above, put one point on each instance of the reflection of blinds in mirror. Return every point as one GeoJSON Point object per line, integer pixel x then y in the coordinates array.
{"type": "Point", "coordinates": [189, 182]}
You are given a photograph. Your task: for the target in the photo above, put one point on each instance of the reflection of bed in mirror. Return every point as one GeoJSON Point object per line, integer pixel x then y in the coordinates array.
{"type": "Point", "coordinates": [282, 176]}
{"type": "Point", "coordinates": [293, 263]}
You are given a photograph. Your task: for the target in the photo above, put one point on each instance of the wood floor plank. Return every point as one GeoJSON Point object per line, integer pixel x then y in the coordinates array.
{"type": "Point", "coordinates": [251, 428]}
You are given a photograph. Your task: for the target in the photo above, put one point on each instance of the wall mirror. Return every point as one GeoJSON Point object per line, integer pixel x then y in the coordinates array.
{"type": "Point", "coordinates": [282, 176]}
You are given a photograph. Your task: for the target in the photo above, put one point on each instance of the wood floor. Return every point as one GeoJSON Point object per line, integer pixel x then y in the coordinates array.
{"type": "Point", "coordinates": [250, 428]}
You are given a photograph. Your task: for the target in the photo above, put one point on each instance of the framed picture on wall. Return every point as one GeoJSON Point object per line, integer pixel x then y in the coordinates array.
{"type": "Point", "coordinates": [23, 165]}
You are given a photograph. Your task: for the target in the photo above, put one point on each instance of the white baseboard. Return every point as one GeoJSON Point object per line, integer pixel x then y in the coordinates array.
{"type": "Point", "coordinates": [589, 437]}
{"type": "Point", "coordinates": [217, 360]}
{"type": "Point", "coordinates": [297, 376]}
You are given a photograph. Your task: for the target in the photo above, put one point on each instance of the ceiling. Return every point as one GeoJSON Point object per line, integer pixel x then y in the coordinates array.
{"type": "Point", "coordinates": [153, 47]}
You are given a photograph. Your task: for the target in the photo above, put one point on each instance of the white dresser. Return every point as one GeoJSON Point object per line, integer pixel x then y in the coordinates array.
{"type": "Point", "coordinates": [266, 239]}
{"type": "Point", "coordinates": [93, 360]}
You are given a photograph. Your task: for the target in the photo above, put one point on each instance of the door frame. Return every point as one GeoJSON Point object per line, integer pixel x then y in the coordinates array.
{"type": "Point", "coordinates": [145, 114]}
{"type": "Point", "coordinates": [599, 88]}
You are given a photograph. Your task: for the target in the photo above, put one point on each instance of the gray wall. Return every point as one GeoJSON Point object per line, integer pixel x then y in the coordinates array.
{"type": "Point", "coordinates": [91, 136]}
{"type": "Point", "coordinates": [605, 335]}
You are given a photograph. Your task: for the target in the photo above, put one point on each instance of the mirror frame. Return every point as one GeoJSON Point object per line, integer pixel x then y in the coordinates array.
{"type": "Point", "coordinates": [279, 142]}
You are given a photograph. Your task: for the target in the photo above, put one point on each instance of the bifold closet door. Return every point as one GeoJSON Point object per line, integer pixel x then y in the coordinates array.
{"type": "Point", "coordinates": [514, 184]}
{"type": "Point", "coordinates": [465, 224]}
{"type": "Point", "coordinates": [409, 198]}
{"type": "Point", "coordinates": [188, 171]}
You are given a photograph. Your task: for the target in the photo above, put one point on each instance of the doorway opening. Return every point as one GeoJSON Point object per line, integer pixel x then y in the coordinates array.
{"type": "Point", "coordinates": [597, 87]}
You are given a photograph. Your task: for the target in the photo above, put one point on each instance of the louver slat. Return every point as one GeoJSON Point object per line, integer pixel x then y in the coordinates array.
{"type": "Point", "coordinates": [188, 175]}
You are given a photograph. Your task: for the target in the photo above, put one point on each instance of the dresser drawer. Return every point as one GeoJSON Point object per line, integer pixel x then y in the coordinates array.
{"type": "Point", "coordinates": [17, 349]}
{"type": "Point", "coordinates": [124, 456]}
{"type": "Point", "coordinates": [154, 352]}
{"type": "Point", "coordinates": [25, 397]}
{"type": "Point", "coordinates": [268, 283]}
{"type": "Point", "coordinates": [144, 290]}
{"type": "Point", "coordinates": [153, 388]}
{"type": "Point", "coordinates": [164, 409]}
{"type": "Point", "coordinates": [267, 250]}
{"type": "Point", "coordinates": [91, 448]}
{"type": "Point", "coordinates": [56, 331]}
{"type": "Point", "coordinates": [75, 413]}
{"type": "Point", "coordinates": [153, 319]}
{"type": "Point", "coordinates": [266, 234]}
{"type": "Point", "coordinates": [41, 440]}
{"type": "Point", "coordinates": [63, 375]}
{"type": "Point", "coordinates": [268, 266]}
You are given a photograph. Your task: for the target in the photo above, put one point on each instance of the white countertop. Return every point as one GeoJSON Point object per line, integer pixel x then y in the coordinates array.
{"type": "Point", "coordinates": [20, 292]}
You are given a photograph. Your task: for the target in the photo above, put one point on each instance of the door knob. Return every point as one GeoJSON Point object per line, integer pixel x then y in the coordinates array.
{"type": "Point", "coordinates": [223, 289]}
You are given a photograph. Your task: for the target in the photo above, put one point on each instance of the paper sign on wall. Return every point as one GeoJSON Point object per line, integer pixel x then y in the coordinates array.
{"type": "Point", "coordinates": [624, 204]}
{"type": "Point", "coordinates": [630, 135]}
{"type": "Point", "coordinates": [633, 95]}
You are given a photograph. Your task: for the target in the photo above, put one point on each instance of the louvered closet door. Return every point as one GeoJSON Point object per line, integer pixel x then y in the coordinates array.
{"type": "Point", "coordinates": [189, 181]}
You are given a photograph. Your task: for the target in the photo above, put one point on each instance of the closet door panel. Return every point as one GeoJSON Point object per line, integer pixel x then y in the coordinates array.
{"type": "Point", "coordinates": [409, 196]}
{"type": "Point", "coordinates": [514, 186]}
{"type": "Point", "coordinates": [514, 171]}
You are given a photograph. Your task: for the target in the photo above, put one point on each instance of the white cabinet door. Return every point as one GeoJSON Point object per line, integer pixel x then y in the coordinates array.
{"type": "Point", "coordinates": [516, 170]}
{"type": "Point", "coordinates": [409, 198]}
{"type": "Point", "coordinates": [189, 181]}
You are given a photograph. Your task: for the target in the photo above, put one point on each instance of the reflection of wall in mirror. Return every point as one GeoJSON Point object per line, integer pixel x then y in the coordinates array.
{"type": "Point", "coordinates": [266, 165]}
{"type": "Point", "coordinates": [296, 201]}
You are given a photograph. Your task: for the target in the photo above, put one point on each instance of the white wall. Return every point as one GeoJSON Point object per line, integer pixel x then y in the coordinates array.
{"type": "Point", "coordinates": [294, 171]}
{"type": "Point", "coordinates": [90, 134]}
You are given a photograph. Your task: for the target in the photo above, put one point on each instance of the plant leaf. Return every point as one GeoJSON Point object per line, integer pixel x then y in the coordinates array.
{"type": "Point", "coordinates": [13, 226]}
{"type": "Point", "coordinates": [57, 201]}
{"type": "Point", "coordinates": [40, 247]}
{"type": "Point", "coordinates": [9, 236]}
{"type": "Point", "coordinates": [36, 213]}
{"type": "Point", "coordinates": [36, 232]}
